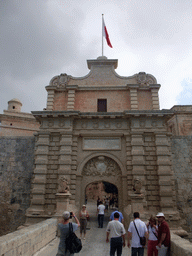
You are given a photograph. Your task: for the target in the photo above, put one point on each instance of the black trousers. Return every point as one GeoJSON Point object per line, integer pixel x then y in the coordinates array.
{"type": "Point", "coordinates": [100, 220]}
{"type": "Point", "coordinates": [116, 244]}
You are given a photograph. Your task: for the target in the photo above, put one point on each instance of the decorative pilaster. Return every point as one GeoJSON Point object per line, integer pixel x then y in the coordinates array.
{"type": "Point", "coordinates": [73, 169]}
{"type": "Point", "coordinates": [71, 97]}
{"type": "Point", "coordinates": [138, 161]}
{"type": "Point", "coordinates": [138, 171]}
{"type": "Point", "coordinates": [65, 154]}
{"type": "Point", "coordinates": [133, 98]}
{"type": "Point", "coordinates": [65, 158]}
{"type": "Point", "coordinates": [155, 98]}
{"type": "Point", "coordinates": [164, 173]}
{"type": "Point", "coordinates": [50, 99]}
{"type": "Point", "coordinates": [40, 175]}
{"type": "Point", "coordinates": [129, 165]}
{"type": "Point", "coordinates": [124, 190]}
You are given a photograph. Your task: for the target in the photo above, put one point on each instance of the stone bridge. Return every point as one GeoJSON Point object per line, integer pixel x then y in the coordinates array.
{"type": "Point", "coordinates": [31, 241]}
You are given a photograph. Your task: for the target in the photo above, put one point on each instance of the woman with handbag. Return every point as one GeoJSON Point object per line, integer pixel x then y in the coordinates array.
{"type": "Point", "coordinates": [153, 240]}
{"type": "Point", "coordinates": [83, 220]}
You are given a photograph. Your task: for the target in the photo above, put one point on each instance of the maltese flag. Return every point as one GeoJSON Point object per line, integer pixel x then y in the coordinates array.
{"type": "Point", "coordinates": [106, 35]}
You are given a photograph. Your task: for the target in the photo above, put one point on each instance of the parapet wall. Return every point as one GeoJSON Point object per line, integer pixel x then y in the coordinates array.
{"type": "Point", "coordinates": [29, 240]}
{"type": "Point", "coordinates": [180, 246]}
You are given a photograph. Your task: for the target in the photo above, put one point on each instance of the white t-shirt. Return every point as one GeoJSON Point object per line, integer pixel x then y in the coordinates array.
{"type": "Point", "coordinates": [142, 229]}
{"type": "Point", "coordinates": [101, 209]}
{"type": "Point", "coordinates": [115, 228]}
{"type": "Point", "coordinates": [152, 230]}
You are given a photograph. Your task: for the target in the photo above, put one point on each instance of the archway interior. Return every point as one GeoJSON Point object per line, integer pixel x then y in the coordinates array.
{"type": "Point", "coordinates": [102, 191]}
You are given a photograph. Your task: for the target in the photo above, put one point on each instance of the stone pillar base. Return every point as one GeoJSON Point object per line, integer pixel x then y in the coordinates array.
{"type": "Point", "coordinates": [137, 205]}
{"type": "Point", "coordinates": [62, 200]}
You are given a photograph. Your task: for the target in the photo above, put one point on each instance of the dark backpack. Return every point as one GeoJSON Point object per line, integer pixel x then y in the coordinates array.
{"type": "Point", "coordinates": [72, 242]}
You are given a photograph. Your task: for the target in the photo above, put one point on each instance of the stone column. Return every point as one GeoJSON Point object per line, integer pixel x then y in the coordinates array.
{"type": "Point", "coordinates": [164, 173]}
{"type": "Point", "coordinates": [40, 175]}
{"type": "Point", "coordinates": [155, 98]}
{"type": "Point", "coordinates": [50, 99]}
{"type": "Point", "coordinates": [133, 97]}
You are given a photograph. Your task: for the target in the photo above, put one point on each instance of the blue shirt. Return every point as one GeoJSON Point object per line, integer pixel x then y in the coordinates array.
{"type": "Point", "coordinates": [120, 216]}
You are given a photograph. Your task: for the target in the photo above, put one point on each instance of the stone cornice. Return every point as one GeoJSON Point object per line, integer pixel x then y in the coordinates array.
{"type": "Point", "coordinates": [126, 114]}
{"type": "Point", "coordinates": [104, 88]}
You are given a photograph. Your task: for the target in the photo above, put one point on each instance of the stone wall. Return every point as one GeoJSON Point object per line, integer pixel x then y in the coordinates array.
{"type": "Point", "coordinates": [16, 168]}
{"type": "Point", "coordinates": [29, 240]}
{"type": "Point", "coordinates": [182, 167]}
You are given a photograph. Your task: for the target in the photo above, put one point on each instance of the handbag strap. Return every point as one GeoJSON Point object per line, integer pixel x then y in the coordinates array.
{"type": "Point", "coordinates": [70, 227]}
{"type": "Point", "coordinates": [136, 229]}
{"type": "Point", "coordinates": [153, 232]}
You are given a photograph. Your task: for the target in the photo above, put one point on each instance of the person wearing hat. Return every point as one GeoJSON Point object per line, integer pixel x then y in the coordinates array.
{"type": "Point", "coordinates": [63, 228]}
{"type": "Point", "coordinates": [163, 235]}
{"type": "Point", "coordinates": [83, 220]}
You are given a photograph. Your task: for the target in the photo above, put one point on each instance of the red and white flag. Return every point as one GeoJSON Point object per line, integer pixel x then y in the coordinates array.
{"type": "Point", "coordinates": [106, 35]}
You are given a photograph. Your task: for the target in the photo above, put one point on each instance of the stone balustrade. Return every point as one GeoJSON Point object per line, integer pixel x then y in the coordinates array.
{"type": "Point", "coordinates": [28, 240]}
{"type": "Point", "coordinates": [180, 246]}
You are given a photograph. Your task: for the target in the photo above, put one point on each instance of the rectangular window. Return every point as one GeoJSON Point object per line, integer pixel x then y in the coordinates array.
{"type": "Point", "coordinates": [102, 105]}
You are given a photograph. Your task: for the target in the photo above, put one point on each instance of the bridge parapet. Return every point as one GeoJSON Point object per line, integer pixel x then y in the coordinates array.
{"type": "Point", "coordinates": [29, 240]}
{"type": "Point", "coordinates": [180, 246]}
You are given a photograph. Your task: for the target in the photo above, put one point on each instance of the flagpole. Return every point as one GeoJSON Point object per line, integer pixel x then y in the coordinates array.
{"type": "Point", "coordinates": [102, 35]}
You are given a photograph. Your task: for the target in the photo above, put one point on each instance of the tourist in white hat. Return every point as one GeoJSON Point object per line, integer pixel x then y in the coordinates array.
{"type": "Point", "coordinates": [163, 235]}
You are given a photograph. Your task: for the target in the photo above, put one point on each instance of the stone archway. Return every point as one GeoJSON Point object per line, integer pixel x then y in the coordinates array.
{"type": "Point", "coordinates": [101, 168]}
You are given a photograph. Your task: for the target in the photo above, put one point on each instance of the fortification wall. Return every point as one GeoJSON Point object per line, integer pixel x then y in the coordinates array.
{"type": "Point", "coordinates": [16, 168]}
{"type": "Point", "coordinates": [182, 167]}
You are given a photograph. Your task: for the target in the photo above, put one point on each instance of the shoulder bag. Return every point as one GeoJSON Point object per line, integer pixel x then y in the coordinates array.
{"type": "Point", "coordinates": [72, 242]}
{"type": "Point", "coordinates": [142, 239]}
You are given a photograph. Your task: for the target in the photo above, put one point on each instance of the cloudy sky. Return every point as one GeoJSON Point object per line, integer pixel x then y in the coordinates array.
{"type": "Point", "coordinates": [43, 38]}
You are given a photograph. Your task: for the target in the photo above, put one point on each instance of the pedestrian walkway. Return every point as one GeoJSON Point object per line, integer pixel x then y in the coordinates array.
{"type": "Point", "coordinates": [95, 243]}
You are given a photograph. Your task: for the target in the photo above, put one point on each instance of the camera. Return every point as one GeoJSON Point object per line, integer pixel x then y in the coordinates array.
{"type": "Point", "coordinates": [71, 215]}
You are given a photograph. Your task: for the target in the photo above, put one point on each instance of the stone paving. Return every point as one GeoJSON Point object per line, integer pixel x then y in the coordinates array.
{"type": "Point", "coordinates": [94, 244]}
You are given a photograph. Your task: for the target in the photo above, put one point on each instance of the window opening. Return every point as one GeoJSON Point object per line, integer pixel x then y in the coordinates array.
{"type": "Point", "coordinates": [102, 105]}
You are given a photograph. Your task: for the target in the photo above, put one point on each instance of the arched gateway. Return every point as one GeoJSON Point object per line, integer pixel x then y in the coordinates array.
{"type": "Point", "coordinates": [101, 168]}
{"type": "Point", "coordinates": [104, 127]}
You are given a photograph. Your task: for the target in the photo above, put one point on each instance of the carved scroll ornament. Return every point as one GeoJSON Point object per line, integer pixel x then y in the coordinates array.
{"type": "Point", "coordinates": [101, 166]}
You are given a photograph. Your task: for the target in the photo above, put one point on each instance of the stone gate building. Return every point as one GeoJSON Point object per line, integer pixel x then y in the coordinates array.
{"type": "Point", "coordinates": [104, 127]}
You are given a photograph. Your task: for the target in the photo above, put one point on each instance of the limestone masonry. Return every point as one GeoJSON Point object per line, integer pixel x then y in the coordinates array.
{"type": "Point", "coordinates": [104, 127]}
